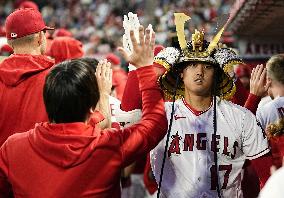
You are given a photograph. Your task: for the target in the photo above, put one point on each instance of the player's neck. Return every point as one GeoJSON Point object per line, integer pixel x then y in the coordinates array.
{"type": "Point", "coordinates": [278, 90]}
{"type": "Point", "coordinates": [27, 50]}
{"type": "Point", "coordinates": [199, 103]}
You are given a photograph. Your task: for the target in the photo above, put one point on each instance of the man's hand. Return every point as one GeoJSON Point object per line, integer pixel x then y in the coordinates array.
{"type": "Point", "coordinates": [104, 77]}
{"type": "Point", "coordinates": [258, 81]}
{"type": "Point", "coordinates": [143, 52]}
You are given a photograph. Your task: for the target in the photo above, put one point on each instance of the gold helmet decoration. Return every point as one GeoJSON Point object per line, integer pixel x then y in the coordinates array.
{"type": "Point", "coordinates": [198, 50]}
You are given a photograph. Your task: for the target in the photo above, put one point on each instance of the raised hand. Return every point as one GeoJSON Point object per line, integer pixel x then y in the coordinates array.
{"type": "Point", "coordinates": [143, 52]}
{"type": "Point", "coordinates": [258, 81]}
{"type": "Point", "coordinates": [104, 77]}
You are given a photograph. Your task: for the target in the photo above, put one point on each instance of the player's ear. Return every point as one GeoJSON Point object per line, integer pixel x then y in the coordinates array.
{"type": "Point", "coordinates": [181, 76]}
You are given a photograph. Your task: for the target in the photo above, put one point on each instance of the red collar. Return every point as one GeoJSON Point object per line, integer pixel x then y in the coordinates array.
{"type": "Point", "coordinates": [194, 111]}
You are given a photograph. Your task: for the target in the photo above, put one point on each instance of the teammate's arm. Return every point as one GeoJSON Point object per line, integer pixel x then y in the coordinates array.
{"type": "Point", "coordinates": [257, 88]}
{"type": "Point", "coordinates": [145, 135]}
{"type": "Point", "coordinates": [262, 167]}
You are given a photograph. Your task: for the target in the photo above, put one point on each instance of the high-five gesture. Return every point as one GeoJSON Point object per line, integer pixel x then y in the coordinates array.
{"type": "Point", "coordinates": [143, 52]}
{"type": "Point", "coordinates": [258, 84]}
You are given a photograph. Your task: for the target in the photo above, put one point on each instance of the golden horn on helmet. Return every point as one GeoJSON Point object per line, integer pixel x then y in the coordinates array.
{"type": "Point", "coordinates": [180, 19]}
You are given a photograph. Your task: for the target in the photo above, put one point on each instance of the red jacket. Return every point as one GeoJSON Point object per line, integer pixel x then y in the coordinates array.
{"type": "Point", "coordinates": [21, 84]}
{"type": "Point", "coordinates": [119, 78]}
{"type": "Point", "coordinates": [78, 160]}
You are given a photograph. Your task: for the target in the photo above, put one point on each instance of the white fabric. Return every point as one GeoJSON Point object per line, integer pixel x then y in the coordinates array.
{"type": "Point", "coordinates": [114, 104]}
{"type": "Point", "coordinates": [136, 189]}
{"type": "Point", "coordinates": [188, 173]}
{"type": "Point", "coordinates": [271, 112]}
{"type": "Point", "coordinates": [264, 101]}
{"type": "Point", "coordinates": [131, 22]}
{"type": "Point", "coordinates": [274, 186]}
{"type": "Point", "coordinates": [128, 118]}
{"type": "Point", "coordinates": [124, 118]}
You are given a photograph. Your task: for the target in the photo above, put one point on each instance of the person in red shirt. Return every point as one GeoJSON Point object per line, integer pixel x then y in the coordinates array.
{"type": "Point", "coordinates": [65, 48]}
{"type": "Point", "coordinates": [67, 157]}
{"type": "Point", "coordinates": [22, 74]}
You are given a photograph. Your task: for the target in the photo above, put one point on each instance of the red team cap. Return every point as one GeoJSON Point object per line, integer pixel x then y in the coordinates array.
{"type": "Point", "coordinates": [23, 22]}
{"type": "Point", "coordinates": [62, 32]}
{"type": "Point", "coordinates": [28, 4]}
{"type": "Point", "coordinates": [65, 48]}
{"type": "Point", "coordinates": [113, 59]}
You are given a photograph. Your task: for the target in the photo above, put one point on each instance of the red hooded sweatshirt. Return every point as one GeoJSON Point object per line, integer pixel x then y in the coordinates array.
{"type": "Point", "coordinates": [21, 84]}
{"type": "Point", "coordinates": [78, 160]}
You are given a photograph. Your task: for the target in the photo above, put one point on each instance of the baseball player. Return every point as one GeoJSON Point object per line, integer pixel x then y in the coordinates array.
{"type": "Point", "coordinates": [210, 138]}
{"type": "Point", "coordinates": [203, 160]}
{"type": "Point", "coordinates": [274, 110]}
{"type": "Point", "coordinates": [271, 115]}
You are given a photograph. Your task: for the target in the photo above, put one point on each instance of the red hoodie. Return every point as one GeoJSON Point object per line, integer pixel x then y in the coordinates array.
{"type": "Point", "coordinates": [78, 160]}
{"type": "Point", "coordinates": [21, 83]}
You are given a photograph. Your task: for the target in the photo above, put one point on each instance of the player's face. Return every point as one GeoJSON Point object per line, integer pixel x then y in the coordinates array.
{"type": "Point", "coordinates": [198, 79]}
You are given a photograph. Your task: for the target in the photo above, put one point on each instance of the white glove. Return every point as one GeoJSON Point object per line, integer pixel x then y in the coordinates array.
{"type": "Point", "coordinates": [131, 22]}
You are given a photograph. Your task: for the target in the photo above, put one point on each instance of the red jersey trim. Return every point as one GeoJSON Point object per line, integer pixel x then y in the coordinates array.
{"type": "Point", "coordinates": [194, 111]}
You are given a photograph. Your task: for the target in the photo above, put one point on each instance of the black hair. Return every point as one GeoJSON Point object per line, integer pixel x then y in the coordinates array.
{"type": "Point", "coordinates": [93, 62]}
{"type": "Point", "coordinates": [70, 91]}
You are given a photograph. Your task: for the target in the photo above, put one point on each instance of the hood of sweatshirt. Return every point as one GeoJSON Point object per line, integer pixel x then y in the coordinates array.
{"type": "Point", "coordinates": [18, 67]}
{"type": "Point", "coordinates": [66, 144]}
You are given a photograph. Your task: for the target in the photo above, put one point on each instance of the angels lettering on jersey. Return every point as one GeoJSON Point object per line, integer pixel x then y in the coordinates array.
{"type": "Point", "coordinates": [190, 168]}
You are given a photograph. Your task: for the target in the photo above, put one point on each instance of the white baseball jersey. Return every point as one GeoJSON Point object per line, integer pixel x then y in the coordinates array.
{"type": "Point", "coordinates": [114, 104]}
{"type": "Point", "coordinates": [190, 168]}
{"type": "Point", "coordinates": [274, 186]}
{"type": "Point", "coordinates": [271, 112]}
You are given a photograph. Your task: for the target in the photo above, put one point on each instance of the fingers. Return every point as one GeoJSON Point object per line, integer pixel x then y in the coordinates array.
{"type": "Point", "coordinates": [263, 76]}
{"type": "Point", "coordinates": [259, 71]}
{"type": "Point", "coordinates": [153, 40]}
{"type": "Point", "coordinates": [103, 69]}
{"type": "Point", "coordinates": [141, 35]}
{"type": "Point", "coordinates": [133, 39]}
{"type": "Point", "coordinates": [147, 38]}
{"type": "Point", "coordinates": [252, 76]}
{"type": "Point", "coordinates": [99, 69]}
{"type": "Point", "coordinates": [123, 53]}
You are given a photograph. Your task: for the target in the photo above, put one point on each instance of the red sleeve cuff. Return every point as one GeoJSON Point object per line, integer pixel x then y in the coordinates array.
{"type": "Point", "coordinates": [252, 102]}
{"type": "Point", "coordinates": [96, 118]}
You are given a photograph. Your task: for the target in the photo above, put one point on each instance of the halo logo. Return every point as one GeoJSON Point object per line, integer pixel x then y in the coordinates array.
{"type": "Point", "coordinates": [14, 35]}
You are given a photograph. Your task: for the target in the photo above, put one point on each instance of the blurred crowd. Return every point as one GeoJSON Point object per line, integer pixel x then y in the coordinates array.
{"type": "Point", "coordinates": [94, 29]}
{"type": "Point", "coordinates": [98, 23]}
